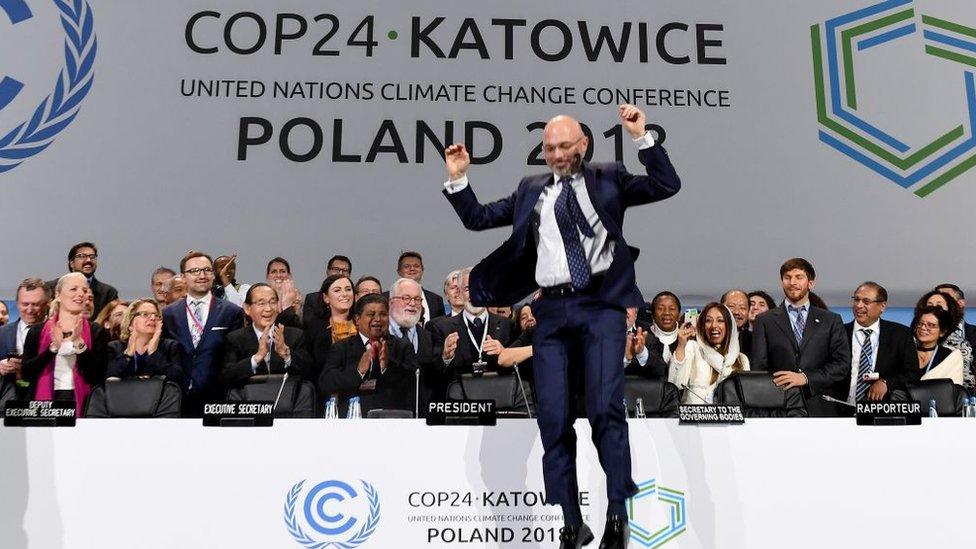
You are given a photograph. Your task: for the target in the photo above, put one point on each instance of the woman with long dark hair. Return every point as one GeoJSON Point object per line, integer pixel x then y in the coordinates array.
{"type": "Point", "coordinates": [707, 353]}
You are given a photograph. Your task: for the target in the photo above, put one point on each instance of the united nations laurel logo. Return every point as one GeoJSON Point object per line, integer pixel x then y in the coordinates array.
{"type": "Point", "coordinates": [333, 530]}
{"type": "Point", "coordinates": [74, 81]}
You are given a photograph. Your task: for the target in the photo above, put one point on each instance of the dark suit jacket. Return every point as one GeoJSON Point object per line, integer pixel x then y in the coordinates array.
{"type": "Point", "coordinates": [498, 327]}
{"type": "Point", "coordinates": [394, 387]}
{"type": "Point", "coordinates": [434, 302]}
{"type": "Point", "coordinates": [656, 367]}
{"type": "Point", "coordinates": [508, 274]}
{"type": "Point", "coordinates": [314, 311]}
{"type": "Point", "coordinates": [241, 346]}
{"type": "Point", "coordinates": [970, 330]}
{"type": "Point", "coordinates": [8, 339]}
{"type": "Point", "coordinates": [433, 379]}
{"type": "Point", "coordinates": [201, 364]}
{"type": "Point", "coordinates": [90, 364]}
{"type": "Point", "coordinates": [824, 356]}
{"type": "Point", "coordinates": [745, 342]}
{"type": "Point", "coordinates": [896, 356]}
{"type": "Point", "coordinates": [103, 293]}
{"type": "Point", "coordinates": [166, 361]}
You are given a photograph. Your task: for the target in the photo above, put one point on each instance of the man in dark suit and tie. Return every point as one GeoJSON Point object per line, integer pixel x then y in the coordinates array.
{"type": "Point", "coordinates": [804, 346]}
{"type": "Point", "coordinates": [567, 239]}
{"type": "Point", "coordinates": [263, 347]}
{"type": "Point", "coordinates": [200, 322]}
{"type": "Point", "coordinates": [373, 364]}
{"type": "Point", "coordinates": [471, 341]}
{"type": "Point", "coordinates": [878, 347]}
{"type": "Point", "coordinates": [32, 305]}
{"type": "Point", "coordinates": [737, 302]}
{"type": "Point", "coordinates": [83, 258]}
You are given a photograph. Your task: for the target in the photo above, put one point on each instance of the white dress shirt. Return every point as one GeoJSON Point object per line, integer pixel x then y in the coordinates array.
{"type": "Point", "coordinates": [22, 329]}
{"type": "Point", "coordinates": [857, 340]}
{"type": "Point", "coordinates": [552, 267]}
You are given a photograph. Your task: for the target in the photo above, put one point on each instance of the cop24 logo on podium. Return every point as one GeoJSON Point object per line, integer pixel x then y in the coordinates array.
{"type": "Point", "coordinates": [335, 514]}
{"type": "Point", "coordinates": [59, 107]}
{"type": "Point", "coordinates": [839, 43]}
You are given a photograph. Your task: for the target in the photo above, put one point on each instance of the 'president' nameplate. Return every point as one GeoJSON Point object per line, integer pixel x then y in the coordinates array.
{"type": "Point", "coordinates": [238, 414]}
{"type": "Point", "coordinates": [710, 413]}
{"type": "Point", "coordinates": [468, 412]}
{"type": "Point", "coordinates": [889, 413]}
{"type": "Point", "coordinates": [39, 413]}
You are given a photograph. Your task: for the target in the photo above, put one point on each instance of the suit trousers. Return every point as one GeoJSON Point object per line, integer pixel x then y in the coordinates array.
{"type": "Point", "coordinates": [568, 329]}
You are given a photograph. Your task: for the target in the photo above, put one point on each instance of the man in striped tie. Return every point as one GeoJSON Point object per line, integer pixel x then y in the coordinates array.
{"type": "Point", "coordinates": [804, 346]}
{"type": "Point", "coordinates": [881, 351]}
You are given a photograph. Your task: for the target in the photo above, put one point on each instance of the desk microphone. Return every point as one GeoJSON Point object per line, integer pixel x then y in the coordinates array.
{"type": "Point", "coordinates": [837, 401]}
{"type": "Point", "coordinates": [416, 396]}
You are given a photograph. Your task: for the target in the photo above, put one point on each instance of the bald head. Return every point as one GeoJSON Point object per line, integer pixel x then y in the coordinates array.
{"type": "Point", "coordinates": [565, 145]}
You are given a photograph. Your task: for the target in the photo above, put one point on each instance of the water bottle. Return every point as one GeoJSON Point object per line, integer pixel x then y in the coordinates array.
{"type": "Point", "coordinates": [965, 407]}
{"type": "Point", "coordinates": [330, 409]}
{"type": "Point", "coordinates": [626, 409]}
{"type": "Point", "coordinates": [972, 407]}
{"type": "Point", "coordinates": [639, 408]}
{"type": "Point", "coordinates": [354, 411]}
{"type": "Point", "coordinates": [932, 411]}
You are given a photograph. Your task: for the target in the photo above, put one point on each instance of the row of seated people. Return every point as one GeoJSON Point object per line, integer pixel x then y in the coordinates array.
{"type": "Point", "coordinates": [201, 342]}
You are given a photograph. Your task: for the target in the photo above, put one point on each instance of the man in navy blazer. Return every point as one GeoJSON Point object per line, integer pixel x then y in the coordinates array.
{"type": "Point", "coordinates": [200, 322]}
{"type": "Point", "coordinates": [567, 239]}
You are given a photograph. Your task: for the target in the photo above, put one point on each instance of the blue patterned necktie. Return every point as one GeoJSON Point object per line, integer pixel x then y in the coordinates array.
{"type": "Point", "coordinates": [569, 217]}
{"type": "Point", "coordinates": [798, 324]}
{"type": "Point", "coordinates": [864, 366]}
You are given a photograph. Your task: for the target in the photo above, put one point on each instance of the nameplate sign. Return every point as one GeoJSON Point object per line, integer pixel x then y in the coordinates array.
{"type": "Point", "coordinates": [40, 413]}
{"type": "Point", "coordinates": [468, 412]}
{"type": "Point", "coordinates": [238, 414]}
{"type": "Point", "coordinates": [710, 413]}
{"type": "Point", "coordinates": [889, 413]}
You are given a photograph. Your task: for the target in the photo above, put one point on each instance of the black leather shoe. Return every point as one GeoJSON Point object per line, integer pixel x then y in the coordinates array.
{"type": "Point", "coordinates": [574, 537]}
{"type": "Point", "coordinates": [616, 534]}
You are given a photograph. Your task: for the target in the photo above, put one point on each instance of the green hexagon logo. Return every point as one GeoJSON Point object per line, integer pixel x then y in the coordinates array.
{"type": "Point", "coordinates": [650, 508]}
{"type": "Point", "coordinates": [837, 45]}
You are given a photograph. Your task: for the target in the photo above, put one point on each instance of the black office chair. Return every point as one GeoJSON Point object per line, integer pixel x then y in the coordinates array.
{"type": "Point", "coordinates": [946, 394]}
{"type": "Point", "coordinates": [759, 397]}
{"type": "Point", "coordinates": [659, 398]}
{"type": "Point", "coordinates": [512, 399]}
{"type": "Point", "coordinates": [297, 397]}
{"type": "Point", "coordinates": [8, 391]}
{"type": "Point", "coordinates": [135, 398]}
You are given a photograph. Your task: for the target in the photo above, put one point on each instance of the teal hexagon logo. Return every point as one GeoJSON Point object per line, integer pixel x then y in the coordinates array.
{"type": "Point", "coordinates": [919, 163]}
{"type": "Point", "coordinates": [657, 514]}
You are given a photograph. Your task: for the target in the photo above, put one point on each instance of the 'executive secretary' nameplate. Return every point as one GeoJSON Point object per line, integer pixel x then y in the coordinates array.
{"type": "Point", "coordinates": [39, 413]}
{"type": "Point", "coordinates": [710, 413]}
{"type": "Point", "coordinates": [467, 412]}
{"type": "Point", "coordinates": [238, 414]}
{"type": "Point", "coordinates": [889, 413]}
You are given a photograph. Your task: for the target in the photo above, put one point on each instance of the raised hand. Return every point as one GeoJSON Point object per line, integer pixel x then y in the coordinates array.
{"type": "Point", "coordinates": [364, 361]}
{"type": "Point", "coordinates": [280, 347]}
{"type": "Point", "coordinates": [57, 336]}
{"type": "Point", "coordinates": [633, 120]}
{"type": "Point", "coordinates": [492, 346]}
{"type": "Point", "coordinates": [154, 342]}
{"type": "Point", "coordinates": [223, 275]}
{"type": "Point", "coordinates": [457, 158]}
{"type": "Point", "coordinates": [263, 345]}
{"type": "Point", "coordinates": [450, 346]}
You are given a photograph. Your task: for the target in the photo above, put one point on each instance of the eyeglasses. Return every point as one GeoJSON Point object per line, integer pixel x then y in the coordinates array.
{"type": "Point", "coordinates": [147, 315]}
{"type": "Point", "coordinates": [408, 299]}
{"type": "Point", "coordinates": [199, 270]}
{"type": "Point", "coordinates": [928, 325]}
{"type": "Point", "coordinates": [273, 303]}
{"type": "Point", "coordinates": [86, 256]}
{"type": "Point", "coordinates": [864, 300]}
{"type": "Point", "coordinates": [339, 271]}
{"type": "Point", "coordinates": [564, 146]}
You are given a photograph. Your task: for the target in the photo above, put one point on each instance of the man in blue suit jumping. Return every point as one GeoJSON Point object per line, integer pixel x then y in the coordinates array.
{"type": "Point", "coordinates": [567, 239]}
